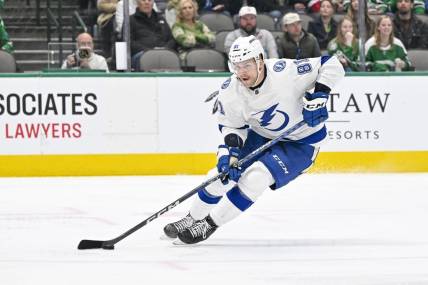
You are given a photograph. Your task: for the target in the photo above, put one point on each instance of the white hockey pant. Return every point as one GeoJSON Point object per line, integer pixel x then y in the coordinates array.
{"type": "Point", "coordinates": [239, 196]}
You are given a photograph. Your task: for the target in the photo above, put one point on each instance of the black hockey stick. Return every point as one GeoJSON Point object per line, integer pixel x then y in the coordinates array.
{"type": "Point", "coordinates": [109, 244]}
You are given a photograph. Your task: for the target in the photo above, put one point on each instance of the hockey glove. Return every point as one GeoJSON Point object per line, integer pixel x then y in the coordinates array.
{"type": "Point", "coordinates": [227, 157]}
{"type": "Point", "coordinates": [314, 108]}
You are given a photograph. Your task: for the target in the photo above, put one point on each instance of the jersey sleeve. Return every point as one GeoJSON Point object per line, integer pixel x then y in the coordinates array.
{"type": "Point", "coordinates": [326, 70]}
{"type": "Point", "coordinates": [228, 110]}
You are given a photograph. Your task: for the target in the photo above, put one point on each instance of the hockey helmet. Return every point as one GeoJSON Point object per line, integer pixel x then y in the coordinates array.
{"type": "Point", "coordinates": [244, 48]}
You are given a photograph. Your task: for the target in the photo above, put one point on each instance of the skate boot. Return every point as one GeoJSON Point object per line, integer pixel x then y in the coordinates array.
{"type": "Point", "coordinates": [171, 230]}
{"type": "Point", "coordinates": [200, 231]}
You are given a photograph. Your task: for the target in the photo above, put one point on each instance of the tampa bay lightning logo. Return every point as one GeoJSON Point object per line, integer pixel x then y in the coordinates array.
{"type": "Point", "coordinates": [279, 66]}
{"type": "Point", "coordinates": [272, 118]}
{"type": "Point", "coordinates": [225, 84]}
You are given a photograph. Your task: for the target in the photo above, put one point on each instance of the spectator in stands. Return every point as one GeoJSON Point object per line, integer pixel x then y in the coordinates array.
{"type": "Point", "coordinates": [148, 30]}
{"type": "Point", "coordinates": [345, 45]}
{"type": "Point", "coordinates": [133, 5]}
{"type": "Point", "coordinates": [378, 7]}
{"type": "Point", "coordinates": [412, 31]}
{"type": "Point", "coordinates": [299, 6]}
{"type": "Point", "coordinates": [270, 7]}
{"type": "Point", "coordinates": [107, 9]}
{"type": "Point", "coordinates": [218, 6]}
{"type": "Point", "coordinates": [5, 43]}
{"type": "Point", "coordinates": [1, 4]}
{"type": "Point", "coordinates": [388, 6]}
{"type": "Point", "coordinates": [171, 12]}
{"type": "Point", "coordinates": [339, 6]}
{"type": "Point", "coordinates": [324, 27]}
{"type": "Point", "coordinates": [384, 52]}
{"type": "Point", "coordinates": [297, 43]}
{"type": "Point", "coordinates": [247, 27]}
{"type": "Point", "coordinates": [188, 32]}
{"type": "Point", "coordinates": [85, 57]}
{"type": "Point", "coordinates": [352, 12]}
{"type": "Point", "coordinates": [304, 6]}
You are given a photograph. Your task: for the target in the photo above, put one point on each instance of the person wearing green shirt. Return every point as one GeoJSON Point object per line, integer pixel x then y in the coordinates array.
{"type": "Point", "coordinates": [187, 31]}
{"type": "Point", "coordinates": [5, 43]}
{"type": "Point", "coordinates": [345, 45]}
{"type": "Point", "coordinates": [387, 53]}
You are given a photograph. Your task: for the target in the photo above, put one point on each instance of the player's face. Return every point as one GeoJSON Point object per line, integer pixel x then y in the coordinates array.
{"type": "Point", "coordinates": [346, 27]}
{"type": "Point", "coordinates": [246, 71]}
{"type": "Point", "coordinates": [385, 27]}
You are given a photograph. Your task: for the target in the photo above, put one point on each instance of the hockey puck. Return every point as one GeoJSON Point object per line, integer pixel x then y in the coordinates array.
{"type": "Point", "coordinates": [108, 247]}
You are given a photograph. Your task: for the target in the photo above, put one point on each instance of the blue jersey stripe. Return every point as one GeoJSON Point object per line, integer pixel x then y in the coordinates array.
{"type": "Point", "coordinates": [324, 59]}
{"type": "Point", "coordinates": [315, 137]}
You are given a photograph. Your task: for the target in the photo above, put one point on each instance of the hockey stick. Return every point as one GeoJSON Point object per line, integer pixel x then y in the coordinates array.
{"type": "Point", "coordinates": [109, 244]}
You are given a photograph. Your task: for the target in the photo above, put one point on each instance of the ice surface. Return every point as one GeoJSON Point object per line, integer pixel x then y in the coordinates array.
{"type": "Point", "coordinates": [320, 229]}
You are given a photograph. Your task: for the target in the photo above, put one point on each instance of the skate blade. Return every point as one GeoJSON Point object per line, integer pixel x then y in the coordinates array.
{"type": "Point", "coordinates": [179, 242]}
{"type": "Point", "coordinates": [167, 238]}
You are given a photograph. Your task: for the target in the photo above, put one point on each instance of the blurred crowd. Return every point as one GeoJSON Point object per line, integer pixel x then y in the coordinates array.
{"type": "Point", "coordinates": [302, 28]}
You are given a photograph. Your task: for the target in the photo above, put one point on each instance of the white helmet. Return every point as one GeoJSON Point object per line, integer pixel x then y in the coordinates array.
{"type": "Point", "coordinates": [244, 48]}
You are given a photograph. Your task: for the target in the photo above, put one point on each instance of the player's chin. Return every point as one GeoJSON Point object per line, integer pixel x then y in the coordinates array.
{"type": "Point", "coordinates": [247, 81]}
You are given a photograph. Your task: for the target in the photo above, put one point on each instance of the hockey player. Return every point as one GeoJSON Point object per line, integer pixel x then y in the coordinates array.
{"type": "Point", "coordinates": [262, 99]}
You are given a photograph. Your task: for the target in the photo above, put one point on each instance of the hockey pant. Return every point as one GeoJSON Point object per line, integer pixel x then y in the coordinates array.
{"type": "Point", "coordinates": [274, 168]}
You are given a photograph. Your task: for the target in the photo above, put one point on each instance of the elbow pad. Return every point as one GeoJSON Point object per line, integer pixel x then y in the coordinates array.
{"type": "Point", "coordinates": [233, 140]}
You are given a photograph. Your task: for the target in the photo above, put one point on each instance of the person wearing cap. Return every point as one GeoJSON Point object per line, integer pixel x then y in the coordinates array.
{"type": "Point", "coordinates": [296, 42]}
{"type": "Point", "coordinates": [248, 27]}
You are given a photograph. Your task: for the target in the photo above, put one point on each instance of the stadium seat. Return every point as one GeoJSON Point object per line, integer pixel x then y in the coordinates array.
{"type": "Point", "coordinates": [7, 62]}
{"type": "Point", "coordinates": [160, 60]}
{"type": "Point", "coordinates": [419, 59]}
{"type": "Point", "coordinates": [219, 41]}
{"type": "Point", "coordinates": [206, 60]}
{"type": "Point", "coordinates": [217, 22]}
{"type": "Point", "coordinates": [266, 22]}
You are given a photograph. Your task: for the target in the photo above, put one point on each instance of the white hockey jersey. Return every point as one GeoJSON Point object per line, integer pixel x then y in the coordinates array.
{"type": "Point", "coordinates": [277, 104]}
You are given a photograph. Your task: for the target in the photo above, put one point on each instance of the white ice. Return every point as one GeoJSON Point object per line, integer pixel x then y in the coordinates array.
{"type": "Point", "coordinates": [320, 229]}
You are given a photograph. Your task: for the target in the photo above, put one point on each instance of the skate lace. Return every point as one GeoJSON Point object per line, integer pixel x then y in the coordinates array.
{"type": "Point", "coordinates": [184, 223]}
{"type": "Point", "coordinates": [200, 229]}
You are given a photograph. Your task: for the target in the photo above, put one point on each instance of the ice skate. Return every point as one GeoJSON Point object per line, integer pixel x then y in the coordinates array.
{"type": "Point", "coordinates": [173, 229]}
{"type": "Point", "coordinates": [198, 232]}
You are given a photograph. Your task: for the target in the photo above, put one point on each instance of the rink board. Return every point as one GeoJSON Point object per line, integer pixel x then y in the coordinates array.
{"type": "Point", "coordinates": [147, 124]}
{"type": "Point", "coordinates": [168, 164]}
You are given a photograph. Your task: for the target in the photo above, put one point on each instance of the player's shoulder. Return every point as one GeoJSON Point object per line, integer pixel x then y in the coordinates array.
{"type": "Point", "coordinates": [286, 66]}
{"type": "Point", "coordinates": [278, 65]}
{"type": "Point", "coordinates": [227, 89]}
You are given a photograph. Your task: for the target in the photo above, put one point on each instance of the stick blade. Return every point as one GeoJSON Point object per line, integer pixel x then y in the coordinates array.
{"type": "Point", "coordinates": [90, 244]}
